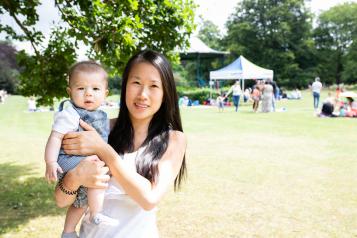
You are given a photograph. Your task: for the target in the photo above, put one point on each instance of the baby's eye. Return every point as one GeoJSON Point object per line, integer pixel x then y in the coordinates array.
{"type": "Point", "coordinates": [80, 88]}
{"type": "Point", "coordinates": [96, 89]}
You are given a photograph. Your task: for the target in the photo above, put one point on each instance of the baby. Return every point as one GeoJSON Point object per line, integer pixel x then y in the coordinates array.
{"type": "Point", "coordinates": [87, 88]}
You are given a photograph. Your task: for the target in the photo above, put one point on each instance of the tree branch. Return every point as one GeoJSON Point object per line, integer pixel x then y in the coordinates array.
{"type": "Point", "coordinates": [23, 28]}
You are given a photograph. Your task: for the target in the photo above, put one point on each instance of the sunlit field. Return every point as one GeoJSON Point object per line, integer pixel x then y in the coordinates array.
{"type": "Point", "coordinates": [283, 174]}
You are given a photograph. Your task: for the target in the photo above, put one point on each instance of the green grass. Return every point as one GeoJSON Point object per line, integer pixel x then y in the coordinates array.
{"type": "Point", "coordinates": [287, 174]}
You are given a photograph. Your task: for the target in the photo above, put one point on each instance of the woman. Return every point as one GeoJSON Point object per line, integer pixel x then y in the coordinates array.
{"type": "Point", "coordinates": [267, 97]}
{"type": "Point", "coordinates": [236, 92]}
{"type": "Point", "coordinates": [145, 155]}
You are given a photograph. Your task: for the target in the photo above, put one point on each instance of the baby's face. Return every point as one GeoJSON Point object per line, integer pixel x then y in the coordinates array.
{"type": "Point", "coordinates": [88, 90]}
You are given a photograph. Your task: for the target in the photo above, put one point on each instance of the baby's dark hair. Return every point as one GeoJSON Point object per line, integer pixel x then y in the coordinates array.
{"type": "Point", "coordinates": [88, 66]}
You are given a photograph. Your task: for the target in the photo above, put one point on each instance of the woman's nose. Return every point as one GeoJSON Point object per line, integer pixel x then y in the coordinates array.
{"type": "Point", "coordinates": [143, 92]}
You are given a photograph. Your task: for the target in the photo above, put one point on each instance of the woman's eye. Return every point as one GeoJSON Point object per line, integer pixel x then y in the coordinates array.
{"type": "Point", "coordinates": [154, 86]}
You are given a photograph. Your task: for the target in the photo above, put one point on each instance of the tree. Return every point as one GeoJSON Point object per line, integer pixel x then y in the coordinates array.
{"type": "Point", "coordinates": [113, 30]}
{"type": "Point", "coordinates": [209, 33]}
{"type": "Point", "coordinates": [276, 35]}
{"type": "Point", "coordinates": [349, 74]}
{"type": "Point", "coordinates": [8, 67]}
{"type": "Point", "coordinates": [335, 39]}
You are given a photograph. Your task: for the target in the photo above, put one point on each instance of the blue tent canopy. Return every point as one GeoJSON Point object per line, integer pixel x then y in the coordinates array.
{"type": "Point", "coordinates": [241, 68]}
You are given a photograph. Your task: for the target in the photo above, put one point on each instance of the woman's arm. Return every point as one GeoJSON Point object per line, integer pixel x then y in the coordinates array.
{"type": "Point", "coordinates": [229, 91]}
{"type": "Point", "coordinates": [140, 189]}
{"type": "Point", "coordinates": [90, 172]}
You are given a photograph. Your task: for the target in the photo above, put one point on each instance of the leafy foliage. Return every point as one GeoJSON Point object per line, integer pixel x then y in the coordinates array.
{"type": "Point", "coordinates": [8, 68]}
{"type": "Point", "coordinates": [210, 34]}
{"type": "Point", "coordinates": [335, 38]}
{"type": "Point", "coordinates": [45, 75]}
{"type": "Point", "coordinates": [112, 30]}
{"type": "Point", "coordinates": [274, 34]}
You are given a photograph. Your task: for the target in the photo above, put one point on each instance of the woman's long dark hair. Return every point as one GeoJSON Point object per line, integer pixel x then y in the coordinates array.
{"type": "Point", "coordinates": [167, 118]}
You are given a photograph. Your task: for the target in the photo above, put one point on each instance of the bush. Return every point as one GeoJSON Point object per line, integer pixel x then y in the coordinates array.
{"type": "Point", "coordinates": [200, 94]}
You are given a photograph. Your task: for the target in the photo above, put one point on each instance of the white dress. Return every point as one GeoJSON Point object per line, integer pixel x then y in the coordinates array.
{"type": "Point", "coordinates": [134, 222]}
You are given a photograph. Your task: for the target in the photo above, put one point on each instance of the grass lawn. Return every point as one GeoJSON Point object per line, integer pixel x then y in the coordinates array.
{"type": "Point", "coordinates": [284, 174]}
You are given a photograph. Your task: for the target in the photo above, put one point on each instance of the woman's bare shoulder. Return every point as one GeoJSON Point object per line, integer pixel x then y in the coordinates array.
{"type": "Point", "coordinates": [177, 138]}
{"type": "Point", "coordinates": [176, 149]}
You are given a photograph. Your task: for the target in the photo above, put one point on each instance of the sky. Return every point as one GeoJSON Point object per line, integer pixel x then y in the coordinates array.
{"type": "Point", "coordinates": [217, 11]}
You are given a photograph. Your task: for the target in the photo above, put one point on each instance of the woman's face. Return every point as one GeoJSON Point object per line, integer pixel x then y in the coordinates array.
{"type": "Point", "coordinates": [144, 92]}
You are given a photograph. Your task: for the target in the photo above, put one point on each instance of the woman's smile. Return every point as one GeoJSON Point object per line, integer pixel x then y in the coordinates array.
{"type": "Point", "coordinates": [141, 106]}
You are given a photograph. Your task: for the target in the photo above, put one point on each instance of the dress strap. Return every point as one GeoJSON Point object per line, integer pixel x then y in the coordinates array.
{"type": "Point", "coordinates": [60, 107]}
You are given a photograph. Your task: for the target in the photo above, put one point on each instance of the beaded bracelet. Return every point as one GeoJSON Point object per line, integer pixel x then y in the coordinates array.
{"type": "Point", "coordinates": [68, 192]}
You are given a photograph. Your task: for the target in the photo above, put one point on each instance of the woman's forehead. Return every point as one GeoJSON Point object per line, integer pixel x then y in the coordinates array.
{"type": "Point", "coordinates": [145, 71]}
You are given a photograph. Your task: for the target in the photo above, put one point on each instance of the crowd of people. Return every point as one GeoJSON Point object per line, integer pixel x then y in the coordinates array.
{"type": "Point", "coordinates": [264, 91]}
{"type": "Point", "coordinates": [340, 105]}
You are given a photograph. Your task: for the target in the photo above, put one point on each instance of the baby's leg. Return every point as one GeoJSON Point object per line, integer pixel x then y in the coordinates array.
{"type": "Point", "coordinates": [73, 217]}
{"type": "Point", "coordinates": [95, 202]}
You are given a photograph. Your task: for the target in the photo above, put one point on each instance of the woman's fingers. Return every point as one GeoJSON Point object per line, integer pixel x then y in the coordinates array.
{"type": "Point", "coordinates": [86, 126]}
{"type": "Point", "coordinates": [102, 180]}
{"type": "Point", "coordinates": [71, 135]}
{"type": "Point", "coordinates": [70, 141]}
{"type": "Point", "coordinates": [82, 143]}
{"type": "Point", "coordinates": [104, 170]}
{"type": "Point", "coordinates": [93, 158]}
{"type": "Point", "coordinates": [70, 146]}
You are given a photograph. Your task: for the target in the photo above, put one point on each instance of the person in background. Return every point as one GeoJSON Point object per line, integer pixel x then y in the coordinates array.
{"type": "Point", "coordinates": [3, 95]}
{"type": "Point", "coordinates": [256, 97]}
{"type": "Point", "coordinates": [316, 88]}
{"type": "Point", "coordinates": [220, 102]}
{"type": "Point", "coordinates": [275, 92]}
{"type": "Point", "coordinates": [236, 92]}
{"type": "Point", "coordinates": [328, 106]}
{"type": "Point", "coordinates": [351, 107]}
{"type": "Point", "coordinates": [32, 104]}
{"type": "Point", "coordinates": [246, 95]}
{"type": "Point", "coordinates": [267, 97]}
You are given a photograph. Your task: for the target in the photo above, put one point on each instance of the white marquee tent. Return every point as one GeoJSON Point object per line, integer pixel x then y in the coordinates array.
{"type": "Point", "coordinates": [241, 68]}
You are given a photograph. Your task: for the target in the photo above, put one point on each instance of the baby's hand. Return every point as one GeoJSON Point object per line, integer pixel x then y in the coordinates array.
{"type": "Point", "coordinates": [51, 171]}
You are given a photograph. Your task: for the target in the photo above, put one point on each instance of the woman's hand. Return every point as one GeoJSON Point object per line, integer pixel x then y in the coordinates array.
{"type": "Point", "coordinates": [86, 142]}
{"type": "Point", "coordinates": [90, 172]}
